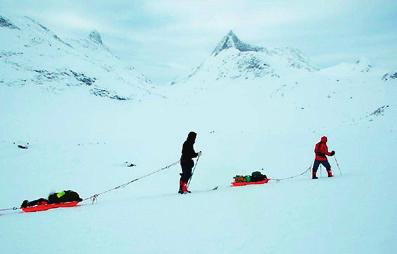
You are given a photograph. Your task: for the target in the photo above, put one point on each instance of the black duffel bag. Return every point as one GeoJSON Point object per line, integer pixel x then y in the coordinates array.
{"type": "Point", "coordinates": [257, 176]}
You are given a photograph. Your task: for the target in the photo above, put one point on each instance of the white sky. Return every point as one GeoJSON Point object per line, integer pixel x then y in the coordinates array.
{"type": "Point", "coordinates": [164, 39]}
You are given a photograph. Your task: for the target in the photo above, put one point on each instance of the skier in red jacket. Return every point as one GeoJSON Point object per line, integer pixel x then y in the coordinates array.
{"type": "Point", "coordinates": [321, 151]}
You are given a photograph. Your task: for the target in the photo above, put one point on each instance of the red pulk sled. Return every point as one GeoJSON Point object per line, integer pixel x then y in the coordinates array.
{"type": "Point", "coordinates": [45, 207]}
{"type": "Point", "coordinates": [255, 178]}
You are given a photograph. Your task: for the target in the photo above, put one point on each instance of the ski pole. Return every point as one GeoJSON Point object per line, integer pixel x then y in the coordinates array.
{"type": "Point", "coordinates": [195, 165]}
{"type": "Point", "coordinates": [337, 164]}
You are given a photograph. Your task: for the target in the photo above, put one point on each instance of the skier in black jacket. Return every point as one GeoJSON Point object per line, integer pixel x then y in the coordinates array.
{"type": "Point", "coordinates": [187, 163]}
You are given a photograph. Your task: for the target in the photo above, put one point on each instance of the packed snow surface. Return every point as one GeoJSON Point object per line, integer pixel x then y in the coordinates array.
{"type": "Point", "coordinates": [82, 142]}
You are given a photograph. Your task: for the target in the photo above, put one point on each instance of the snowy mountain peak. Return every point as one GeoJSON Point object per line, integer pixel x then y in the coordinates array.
{"type": "Point", "coordinates": [234, 59]}
{"type": "Point", "coordinates": [95, 36]}
{"type": "Point", "coordinates": [230, 40]}
{"type": "Point", "coordinates": [4, 22]}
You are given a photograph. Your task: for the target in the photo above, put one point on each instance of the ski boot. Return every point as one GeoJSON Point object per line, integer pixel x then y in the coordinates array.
{"type": "Point", "coordinates": [330, 173]}
{"type": "Point", "coordinates": [314, 175]}
{"type": "Point", "coordinates": [183, 188]}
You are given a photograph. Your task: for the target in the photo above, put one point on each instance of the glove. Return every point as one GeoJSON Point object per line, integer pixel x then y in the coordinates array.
{"type": "Point", "coordinates": [332, 153]}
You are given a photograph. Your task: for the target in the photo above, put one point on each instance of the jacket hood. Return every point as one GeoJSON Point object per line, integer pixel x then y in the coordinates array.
{"type": "Point", "coordinates": [191, 137]}
{"type": "Point", "coordinates": [324, 139]}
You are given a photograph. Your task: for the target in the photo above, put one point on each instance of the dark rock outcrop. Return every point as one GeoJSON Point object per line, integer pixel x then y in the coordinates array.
{"type": "Point", "coordinates": [7, 24]}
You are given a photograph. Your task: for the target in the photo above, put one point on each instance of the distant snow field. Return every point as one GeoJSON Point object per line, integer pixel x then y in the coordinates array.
{"type": "Point", "coordinates": [86, 115]}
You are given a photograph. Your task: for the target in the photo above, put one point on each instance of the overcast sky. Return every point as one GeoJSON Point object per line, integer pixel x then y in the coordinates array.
{"type": "Point", "coordinates": [164, 39]}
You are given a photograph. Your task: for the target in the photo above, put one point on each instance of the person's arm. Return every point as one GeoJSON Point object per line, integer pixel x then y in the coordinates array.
{"type": "Point", "coordinates": [193, 153]}
{"type": "Point", "coordinates": [326, 152]}
{"type": "Point", "coordinates": [188, 151]}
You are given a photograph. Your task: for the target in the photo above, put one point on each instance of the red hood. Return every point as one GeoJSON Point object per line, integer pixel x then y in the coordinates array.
{"type": "Point", "coordinates": [324, 139]}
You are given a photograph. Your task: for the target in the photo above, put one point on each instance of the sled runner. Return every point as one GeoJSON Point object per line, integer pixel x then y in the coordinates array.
{"type": "Point", "coordinates": [237, 184]}
{"type": "Point", "coordinates": [45, 207]}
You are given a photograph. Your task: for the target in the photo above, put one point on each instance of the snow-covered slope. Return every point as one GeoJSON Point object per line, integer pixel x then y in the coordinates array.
{"type": "Point", "coordinates": [79, 142]}
{"type": "Point", "coordinates": [32, 55]}
{"type": "Point", "coordinates": [361, 65]}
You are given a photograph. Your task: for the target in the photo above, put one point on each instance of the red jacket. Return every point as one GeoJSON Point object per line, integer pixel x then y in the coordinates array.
{"type": "Point", "coordinates": [321, 150]}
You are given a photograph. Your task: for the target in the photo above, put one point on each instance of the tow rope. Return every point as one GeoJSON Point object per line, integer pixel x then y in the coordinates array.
{"type": "Point", "coordinates": [291, 177]}
{"type": "Point", "coordinates": [9, 209]}
{"type": "Point", "coordinates": [94, 197]}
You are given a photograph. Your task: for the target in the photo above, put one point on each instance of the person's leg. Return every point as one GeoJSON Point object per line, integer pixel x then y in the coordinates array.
{"type": "Point", "coordinates": [183, 182]}
{"type": "Point", "coordinates": [181, 179]}
{"type": "Point", "coordinates": [180, 183]}
{"type": "Point", "coordinates": [316, 164]}
{"type": "Point", "coordinates": [186, 173]}
{"type": "Point", "coordinates": [328, 168]}
{"type": "Point", "coordinates": [189, 173]}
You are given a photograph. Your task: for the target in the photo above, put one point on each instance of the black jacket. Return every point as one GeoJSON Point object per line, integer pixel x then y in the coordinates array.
{"type": "Point", "coordinates": [188, 152]}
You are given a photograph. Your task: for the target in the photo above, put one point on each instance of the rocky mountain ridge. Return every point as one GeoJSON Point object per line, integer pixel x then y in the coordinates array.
{"type": "Point", "coordinates": [32, 55]}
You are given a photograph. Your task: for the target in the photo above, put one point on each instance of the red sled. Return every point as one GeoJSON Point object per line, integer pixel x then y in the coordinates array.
{"type": "Point", "coordinates": [39, 208]}
{"type": "Point", "coordinates": [237, 184]}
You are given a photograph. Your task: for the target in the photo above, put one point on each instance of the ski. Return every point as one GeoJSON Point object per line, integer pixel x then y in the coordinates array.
{"type": "Point", "coordinates": [200, 191]}
{"type": "Point", "coordinates": [212, 189]}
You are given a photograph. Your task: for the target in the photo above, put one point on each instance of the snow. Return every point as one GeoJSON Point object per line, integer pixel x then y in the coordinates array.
{"type": "Point", "coordinates": [81, 142]}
